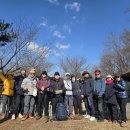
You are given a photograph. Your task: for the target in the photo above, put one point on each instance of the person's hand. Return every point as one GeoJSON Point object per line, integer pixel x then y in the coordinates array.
{"type": "Point", "coordinates": [25, 88]}
{"type": "Point", "coordinates": [42, 88]}
{"type": "Point", "coordinates": [82, 96]}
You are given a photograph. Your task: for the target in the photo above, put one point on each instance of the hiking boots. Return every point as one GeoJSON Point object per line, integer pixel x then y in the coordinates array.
{"type": "Point", "coordinates": [31, 116]}
{"type": "Point", "coordinates": [25, 117]}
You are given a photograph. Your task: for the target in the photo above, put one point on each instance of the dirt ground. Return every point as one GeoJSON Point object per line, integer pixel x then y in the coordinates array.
{"type": "Point", "coordinates": [84, 124]}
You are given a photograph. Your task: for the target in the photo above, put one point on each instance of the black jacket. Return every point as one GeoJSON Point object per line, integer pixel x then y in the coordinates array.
{"type": "Point", "coordinates": [110, 95]}
{"type": "Point", "coordinates": [76, 87]}
{"type": "Point", "coordinates": [121, 89]}
{"type": "Point", "coordinates": [87, 86]}
{"type": "Point", "coordinates": [57, 87]}
{"type": "Point", "coordinates": [17, 85]}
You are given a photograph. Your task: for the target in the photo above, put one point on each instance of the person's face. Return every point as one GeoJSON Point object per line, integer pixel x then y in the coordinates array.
{"type": "Point", "coordinates": [44, 76]}
{"type": "Point", "coordinates": [23, 72]}
{"type": "Point", "coordinates": [97, 75]}
{"type": "Point", "coordinates": [118, 78]}
{"type": "Point", "coordinates": [10, 77]}
{"type": "Point", "coordinates": [86, 75]}
{"type": "Point", "coordinates": [32, 74]}
{"type": "Point", "coordinates": [57, 77]}
{"type": "Point", "coordinates": [67, 76]}
{"type": "Point", "coordinates": [109, 78]}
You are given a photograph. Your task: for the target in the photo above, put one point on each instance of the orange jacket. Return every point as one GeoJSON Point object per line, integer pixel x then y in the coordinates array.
{"type": "Point", "coordinates": [8, 88]}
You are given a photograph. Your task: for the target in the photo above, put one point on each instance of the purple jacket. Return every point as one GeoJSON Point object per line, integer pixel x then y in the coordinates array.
{"type": "Point", "coordinates": [43, 83]}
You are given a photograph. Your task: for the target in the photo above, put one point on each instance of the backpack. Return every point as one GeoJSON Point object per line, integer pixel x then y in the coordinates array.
{"type": "Point", "coordinates": [61, 112]}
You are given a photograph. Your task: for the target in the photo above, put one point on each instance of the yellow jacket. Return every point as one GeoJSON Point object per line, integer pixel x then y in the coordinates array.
{"type": "Point", "coordinates": [8, 88]}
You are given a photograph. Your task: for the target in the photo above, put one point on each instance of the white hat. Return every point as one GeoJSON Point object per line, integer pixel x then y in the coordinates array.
{"type": "Point", "coordinates": [109, 76]}
{"type": "Point", "coordinates": [67, 74]}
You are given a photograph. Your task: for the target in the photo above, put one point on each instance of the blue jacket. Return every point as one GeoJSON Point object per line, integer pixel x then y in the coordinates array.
{"type": "Point", "coordinates": [18, 82]}
{"type": "Point", "coordinates": [121, 89]}
{"type": "Point", "coordinates": [99, 87]}
{"type": "Point", "coordinates": [87, 87]}
{"type": "Point", "coordinates": [110, 95]}
{"type": "Point", "coordinates": [76, 87]}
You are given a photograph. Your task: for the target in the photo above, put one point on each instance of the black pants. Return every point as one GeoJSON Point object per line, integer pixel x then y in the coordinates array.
{"type": "Point", "coordinates": [122, 104]}
{"type": "Point", "coordinates": [18, 104]}
{"type": "Point", "coordinates": [42, 103]}
{"type": "Point", "coordinates": [112, 108]}
{"type": "Point", "coordinates": [56, 100]}
{"type": "Point", "coordinates": [77, 104]}
{"type": "Point", "coordinates": [89, 105]}
{"type": "Point", "coordinates": [98, 103]}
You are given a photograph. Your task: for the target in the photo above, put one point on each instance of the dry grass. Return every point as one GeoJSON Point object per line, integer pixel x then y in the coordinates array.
{"type": "Point", "coordinates": [64, 125]}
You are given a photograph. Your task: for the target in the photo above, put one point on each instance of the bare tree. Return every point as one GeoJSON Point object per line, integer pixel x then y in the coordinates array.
{"type": "Point", "coordinates": [73, 65]}
{"type": "Point", "coordinates": [116, 55]}
{"type": "Point", "coordinates": [18, 54]}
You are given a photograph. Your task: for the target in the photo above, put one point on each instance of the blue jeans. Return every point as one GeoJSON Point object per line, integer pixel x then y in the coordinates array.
{"type": "Point", "coordinates": [29, 102]}
{"type": "Point", "coordinates": [89, 105]}
{"type": "Point", "coordinates": [69, 104]}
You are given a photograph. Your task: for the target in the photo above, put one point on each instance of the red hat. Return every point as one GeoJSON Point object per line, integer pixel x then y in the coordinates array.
{"type": "Point", "coordinates": [97, 71]}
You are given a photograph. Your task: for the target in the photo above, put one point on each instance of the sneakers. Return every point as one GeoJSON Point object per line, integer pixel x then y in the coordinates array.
{"type": "Point", "coordinates": [20, 115]}
{"type": "Point", "coordinates": [92, 118]}
{"type": "Point", "coordinates": [13, 117]}
{"type": "Point", "coordinates": [123, 124]}
{"type": "Point", "coordinates": [25, 117]}
{"type": "Point", "coordinates": [87, 117]}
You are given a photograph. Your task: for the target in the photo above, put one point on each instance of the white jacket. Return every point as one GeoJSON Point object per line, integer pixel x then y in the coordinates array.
{"type": "Point", "coordinates": [68, 87]}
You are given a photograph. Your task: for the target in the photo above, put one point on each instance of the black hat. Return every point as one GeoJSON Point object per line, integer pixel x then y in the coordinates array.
{"type": "Point", "coordinates": [44, 72]}
{"type": "Point", "coordinates": [73, 76]}
{"type": "Point", "coordinates": [85, 72]}
{"type": "Point", "coordinates": [116, 75]}
{"type": "Point", "coordinates": [56, 73]}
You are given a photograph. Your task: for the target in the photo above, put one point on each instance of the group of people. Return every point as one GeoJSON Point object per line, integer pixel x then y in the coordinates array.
{"type": "Point", "coordinates": [31, 96]}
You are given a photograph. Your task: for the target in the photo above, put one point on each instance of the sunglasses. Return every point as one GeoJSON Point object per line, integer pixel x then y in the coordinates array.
{"type": "Point", "coordinates": [97, 74]}
{"type": "Point", "coordinates": [32, 73]}
{"type": "Point", "coordinates": [117, 77]}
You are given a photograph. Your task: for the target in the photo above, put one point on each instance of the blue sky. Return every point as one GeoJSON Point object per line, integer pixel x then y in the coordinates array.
{"type": "Point", "coordinates": [75, 27]}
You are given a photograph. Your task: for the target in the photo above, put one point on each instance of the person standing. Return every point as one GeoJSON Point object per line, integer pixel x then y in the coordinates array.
{"type": "Point", "coordinates": [99, 89]}
{"type": "Point", "coordinates": [19, 96]}
{"type": "Point", "coordinates": [110, 99]}
{"type": "Point", "coordinates": [43, 85]}
{"type": "Point", "coordinates": [76, 87]}
{"type": "Point", "coordinates": [122, 97]}
{"type": "Point", "coordinates": [7, 93]}
{"type": "Point", "coordinates": [57, 88]}
{"type": "Point", "coordinates": [87, 94]}
{"type": "Point", "coordinates": [68, 95]}
{"type": "Point", "coordinates": [29, 88]}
